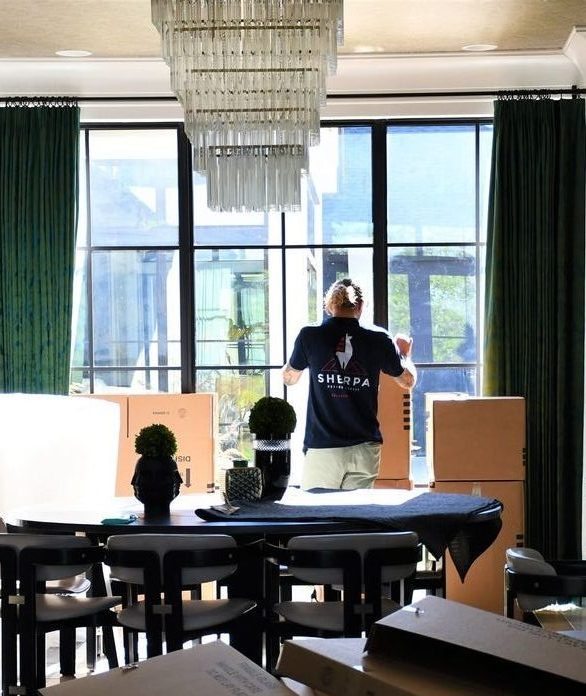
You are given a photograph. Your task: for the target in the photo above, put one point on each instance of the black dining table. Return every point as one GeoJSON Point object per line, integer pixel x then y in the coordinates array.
{"type": "Point", "coordinates": [462, 525]}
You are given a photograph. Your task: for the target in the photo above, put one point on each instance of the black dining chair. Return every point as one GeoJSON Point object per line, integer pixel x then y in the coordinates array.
{"type": "Point", "coordinates": [155, 571]}
{"type": "Point", "coordinates": [532, 583]}
{"type": "Point", "coordinates": [373, 573]}
{"type": "Point", "coordinates": [28, 613]}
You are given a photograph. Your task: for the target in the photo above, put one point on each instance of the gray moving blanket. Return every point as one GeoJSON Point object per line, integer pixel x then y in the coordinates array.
{"type": "Point", "coordinates": [466, 525]}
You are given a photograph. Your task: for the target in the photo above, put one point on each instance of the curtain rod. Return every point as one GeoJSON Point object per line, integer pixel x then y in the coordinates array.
{"type": "Point", "coordinates": [572, 91]}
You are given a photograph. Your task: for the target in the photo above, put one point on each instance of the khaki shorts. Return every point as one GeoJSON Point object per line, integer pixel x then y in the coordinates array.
{"type": "Point", "coordinates": [341, 467]}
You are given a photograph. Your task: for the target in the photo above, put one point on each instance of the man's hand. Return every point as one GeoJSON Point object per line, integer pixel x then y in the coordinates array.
{"type": "Point", "coordinates": [404, 344]}
{"type": "Point", "coordinates": [290, 375]}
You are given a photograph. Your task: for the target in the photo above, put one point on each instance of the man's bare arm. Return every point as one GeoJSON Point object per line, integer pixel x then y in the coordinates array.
{"type": "Point", "coordinates": [408, 377]}
{"type": "Point", "coordinates": [290, 375]}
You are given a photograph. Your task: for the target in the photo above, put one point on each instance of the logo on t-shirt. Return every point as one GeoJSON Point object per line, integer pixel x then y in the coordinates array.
{"type": "Point", "coordinates": [343, 371]}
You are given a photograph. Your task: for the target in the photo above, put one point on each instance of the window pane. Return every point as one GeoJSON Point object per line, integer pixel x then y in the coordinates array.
{"type": "Point", "coordinates": [310, 272]}
{"type": "Point", "coordinates": [237, 391]}
{"type": "Point", "coordinates": [135, 297]}
{"type": "Point", "coordinates": [82, 197]}
{"type": "Point", "coordinates": [432, 296]}
{"type": "Point", "coordinates": [230, 229]}
{"type": "Point", "coordinates": [79, 381]}
{"type": "Point", "coordinates": [131, 381]}
{"type": "Point", "coordinates": [431, 172]}
{"type": "Point", "coordinates": [485, 156]}
{"type": "Point", "coordinates": [80, 351]}
{"type": "Point", "coordinates": [133, 187]}
{"type": "Point", "coordinates": [238, 296]}
{"type": "Point", "coordinates": [337, 200]}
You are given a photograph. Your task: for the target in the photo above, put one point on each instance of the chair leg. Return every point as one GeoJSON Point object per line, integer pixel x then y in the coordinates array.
{"type": "Point", "coordinates": [509, 605]}
{"type": "Point", "coordinates": [9, 663]}
{"type": "Point", "coordinates": [272, 649]}
{"type": "Point", "coordinates": [155, 644]}
{"type": "Point", "coordinates": [66, 651]}
{"type": "Point", "coordinates": [91, 648]}
{"type": "Point", "coordinates": [109, 646]}
{"type": "Point", "coordinates": [130, 646]}
{"type": "Point", "coordinates": [41, 658]}
{"type": "Point", "coordinates": [28, 661]}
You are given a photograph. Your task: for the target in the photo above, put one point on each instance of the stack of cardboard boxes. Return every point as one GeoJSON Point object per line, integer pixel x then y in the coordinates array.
{"type": "Point", "coordinates": [394, 415]}
{"type": "Point", "coordinates": [476, 446]}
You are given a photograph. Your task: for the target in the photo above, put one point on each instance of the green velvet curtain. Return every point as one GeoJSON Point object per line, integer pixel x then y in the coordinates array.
{"type": "Point", "coordinates": [534, 314]}
{"type": "Point", "coordinates": [39, 145]}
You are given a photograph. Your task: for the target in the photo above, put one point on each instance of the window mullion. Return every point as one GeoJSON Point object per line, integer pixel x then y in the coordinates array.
{"type": "Point", "coordinates": [186, 265]}
{"type": "Point", "coordinates": [379, 224]}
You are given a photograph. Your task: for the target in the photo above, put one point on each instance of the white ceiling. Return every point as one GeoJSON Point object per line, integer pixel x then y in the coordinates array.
{"type": "Point", "coordinates": [122, 28]}
{"type": "Point", "coordinates": [389, 46]}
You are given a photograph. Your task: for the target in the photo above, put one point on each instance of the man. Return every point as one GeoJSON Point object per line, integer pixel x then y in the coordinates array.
{"type": "Point", "coordinates": [342, 436]}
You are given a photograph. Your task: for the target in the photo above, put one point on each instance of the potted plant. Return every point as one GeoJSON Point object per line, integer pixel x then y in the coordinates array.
{"type": "Point", "coordinates": [271, 421]}
{"type": "Point", "coordinates": [156, 479]}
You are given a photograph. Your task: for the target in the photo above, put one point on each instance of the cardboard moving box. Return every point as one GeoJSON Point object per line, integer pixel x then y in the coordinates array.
{"type": "Point", "coordinates": [483, 585]}
{"type": "Point", "coordinates": [402, 484]}
{"type": "Point", "coordinates": [339, 667]}
{"type": "Point", "coordinates": [394, 416]}
{"type": "Point", "coordinates": [213, 669]}
{"type": "Point", "coordinates": [193, 420]}
{"type": "Point", "coordinates": [471, 438]}
{"type": "Point", "coordinates": [501, 653]}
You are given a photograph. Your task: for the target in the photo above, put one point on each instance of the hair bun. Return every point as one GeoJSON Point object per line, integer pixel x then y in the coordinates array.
{"type": "Point", "coordinates": [343, 294]}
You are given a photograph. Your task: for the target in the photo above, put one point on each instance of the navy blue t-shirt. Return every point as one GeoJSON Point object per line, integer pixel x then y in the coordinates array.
{"type": "Point", "coordinates": [345, 361]}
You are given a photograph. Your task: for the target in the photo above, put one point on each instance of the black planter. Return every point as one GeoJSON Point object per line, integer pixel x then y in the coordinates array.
{"type": "Point", "coordinates": [273, 457]}
{"type": "Point", "coordinates": [156, 483]}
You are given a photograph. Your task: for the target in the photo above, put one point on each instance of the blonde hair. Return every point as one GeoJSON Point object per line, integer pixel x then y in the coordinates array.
{"type": "Point", "coordinates": [343, 294]}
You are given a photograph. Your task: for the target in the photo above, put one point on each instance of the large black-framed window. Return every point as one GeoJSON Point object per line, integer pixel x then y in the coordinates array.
{"type": "Point", "coordinates": [173, 297]}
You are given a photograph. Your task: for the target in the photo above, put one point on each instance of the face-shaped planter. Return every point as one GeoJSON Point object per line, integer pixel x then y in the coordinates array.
{"type": "Point", "coordinates": [156, 483]}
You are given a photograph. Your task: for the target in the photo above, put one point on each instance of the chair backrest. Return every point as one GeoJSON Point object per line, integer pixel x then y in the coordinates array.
{"type": "Point", "coordinates": [12, 546]}
{"type": "Point", "coordinates": [163, 543]}
{"type": "Point", "coordinates": [397, 568]}
{"type": "Point", "coordinates": [527, 561]}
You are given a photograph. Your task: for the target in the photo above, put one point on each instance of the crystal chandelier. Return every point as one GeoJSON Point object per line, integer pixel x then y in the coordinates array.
{"type": "Point", "coordinates": [250, 76]}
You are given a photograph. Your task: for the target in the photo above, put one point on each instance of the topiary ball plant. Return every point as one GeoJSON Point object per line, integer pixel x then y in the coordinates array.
{"type": "Point", "coordinates": [271, 417]}
{"type": "Point", "coordinates": [155, 441]}
{"type": "Point", "coordinates": [156, 480]}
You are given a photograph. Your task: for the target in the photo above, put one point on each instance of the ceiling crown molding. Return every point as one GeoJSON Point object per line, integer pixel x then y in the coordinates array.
{"type": "Point", "coordinates": [575, 50]}
{"type": "Point", "coordinates": [370, 74]}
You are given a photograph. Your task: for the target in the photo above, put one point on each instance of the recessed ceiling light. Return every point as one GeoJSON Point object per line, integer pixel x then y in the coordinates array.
{"type": "Point", "coordinates": [478, 48]}
{"type": "Point", "coordinates": [368, 49]}
{"type": "Point", "coordinates": [73, 54]}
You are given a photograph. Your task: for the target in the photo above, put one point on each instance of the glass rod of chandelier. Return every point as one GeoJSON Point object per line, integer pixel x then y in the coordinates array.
{"type": "Point", "coordinates": [251, 78]}
{"type": "Point", "coordinates": [257, 178]}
